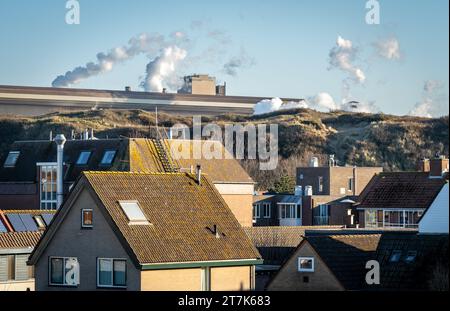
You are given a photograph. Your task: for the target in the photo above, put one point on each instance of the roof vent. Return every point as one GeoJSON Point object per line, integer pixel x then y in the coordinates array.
{"type": "Point", "coordinates": [198, 173]}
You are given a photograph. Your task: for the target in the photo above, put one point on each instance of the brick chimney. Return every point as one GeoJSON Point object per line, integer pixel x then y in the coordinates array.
{"type": "Point", "coordinates": [438, 166]}
{"type": "Point", "coordinates": [423, 165]}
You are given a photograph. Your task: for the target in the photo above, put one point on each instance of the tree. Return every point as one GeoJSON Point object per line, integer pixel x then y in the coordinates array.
{"type": "Point", "coordinates": [285, 184]}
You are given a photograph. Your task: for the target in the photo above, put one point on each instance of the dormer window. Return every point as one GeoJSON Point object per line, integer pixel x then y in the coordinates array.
{"type": "Point", "coordinates": [133, 212]}
{"type": "Point", "coordinates": [83, 158]}
{"type": "Point", "coordinates": [11, 159]}
{"type": "Point", "coordinates": [108, 157]}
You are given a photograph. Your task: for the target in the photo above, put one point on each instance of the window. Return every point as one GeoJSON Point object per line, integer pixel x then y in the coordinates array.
{"type": "Point", "coordinates": [301, 176]}
{"type": "Point", "coordinates": [133, 212]}
{"type": "Point", "coordinates": [321, 215]}
{"type": "Point", "coordinates": [14, 268]}
{"type": "Point", "coordinates": [111, 272]}
{"type": "Point", "coordinates": [47, 185]}
{"type": "Point", "coordinates": [306, 264]}
{"type": "Point", "coordinates": [320, 184]}
{"type": "Point", "coordinates": [395, 256]}
{"type": "Point", "coordinates": [86, 218]}
{"type": "Point", "coordinates": [11, 159]}
{"type": "Point", "coordinates": [266, 210]}
{"type": "Point", "coordinates": [410, 256]}
{"type": "Point", "coordinates": [39, 221]}
{"type": "Point", "coordinates": [108, 157]}
{"type": "Point", "coordinates": [83, 158]}
{"type": "Point", "coordinates": [64, 271]}
{"type": "Point", "coordinates": [256, 211]}
{"type": "Point", "coordinates": [289, 211]}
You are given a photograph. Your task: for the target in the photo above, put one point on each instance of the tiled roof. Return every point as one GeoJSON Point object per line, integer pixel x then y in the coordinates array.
{"type": "Point", "coordinates": [276, 243]}
{"type": "Point", "coordinates": [19, 239]}
{"type": "Point", "coordinates": [429, 249]}
{"type": "Point", "coordinates": [180, 212]}
{"type": "Point", "coordinates": [227, 169]}
{"type": "Point", "coordinates": [346, 256]}
{"type": "Point", "coordinates": [400, 190]}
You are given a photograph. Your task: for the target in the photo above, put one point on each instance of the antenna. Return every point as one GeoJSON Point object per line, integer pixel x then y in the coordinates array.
{"type": "Point", "coordinates": [156, 117]}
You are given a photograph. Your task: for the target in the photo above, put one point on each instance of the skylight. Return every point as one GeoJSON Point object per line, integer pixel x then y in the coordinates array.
{"type": "Point", "coordinates": [108, 157]}
{"type": "Point", "coordinates": [410, 256]}
{"type": "Point", "coordinates": [11, 159]}
{"type": "Point", "coordinates": [133, 212]}
{"type": "Point", "coordinates": [395, 256]}
{"type": "Point", "coordinates": [83, 158]}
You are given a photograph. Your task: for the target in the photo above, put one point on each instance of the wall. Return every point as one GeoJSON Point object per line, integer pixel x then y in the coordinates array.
{"type": "Point", "coordinates": [85, 244]}
{"type": "Point", "coordinates": [435, 220]}
{"type": "Point", "coordinates": [289, 279]}
{"type": "Point", "coordinates": [203, 87]}
{"type": "Point", "coordinates": [17, 286]}
{"type": "Point", "coordinates": [311, 178]}
{"type": "Point", "coordinates": [171, 280]}
{"type": "Point", "coordinates": [19, 196]}
{"type": "Point", "coordinates": [231, 278]}
{"type": "Point", "coordinates": [239, 198]}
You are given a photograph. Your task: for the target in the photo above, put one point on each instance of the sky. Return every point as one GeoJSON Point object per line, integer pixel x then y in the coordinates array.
{"type": "Point", "coordinates": [322, 51]}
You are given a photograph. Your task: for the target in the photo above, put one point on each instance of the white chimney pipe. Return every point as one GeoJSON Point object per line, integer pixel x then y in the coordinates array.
{"type": "Point", "coordinates": [60, 140]}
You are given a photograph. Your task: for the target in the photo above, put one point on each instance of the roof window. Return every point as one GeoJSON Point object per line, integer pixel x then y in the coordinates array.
{"type": "Point", "coordinates": [108, 157]}
{"type": "Point", "coordinates": [11, 159]}
{"type": "Point", "coordinates": [83, 158]}
{"type": "Point", "coordinates": [133, 212]}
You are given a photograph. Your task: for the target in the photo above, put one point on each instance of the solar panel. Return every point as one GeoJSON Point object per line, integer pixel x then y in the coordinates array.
{"type": "Point", "coordinates": [2, 227]}
{"type": "Point", "coordinates": [16, 222]}
{"type": "Point", "coordinates": [28, 222]}
{"type": "Point", "coordinates": [47, 218]}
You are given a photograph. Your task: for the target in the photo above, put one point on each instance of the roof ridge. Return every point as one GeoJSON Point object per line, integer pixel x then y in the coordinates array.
{"type": "Point", "coordinates": [132, 173]}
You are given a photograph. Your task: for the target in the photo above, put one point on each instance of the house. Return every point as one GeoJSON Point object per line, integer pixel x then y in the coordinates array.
{"type": "Point", "coordinates": [336, 262]}
{"type": "Point", "coordinates": [28, 172]}
{"type": "Point", "coordinates": [324, 195]}
{"type": "Point", "coordinates": [435, 218]}
{"type": "Point", "coordinates": [399, 199]}
{"type": "Point", "coordinates": [144, 231]}
{"type": "Point", "coordinates": [327, 263]}
{"type": "Point", "coordinates": [15, 247]}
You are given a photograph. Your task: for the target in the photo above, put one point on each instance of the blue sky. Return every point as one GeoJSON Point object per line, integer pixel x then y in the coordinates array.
{"type": "Point", "coordinates": [283, 46]}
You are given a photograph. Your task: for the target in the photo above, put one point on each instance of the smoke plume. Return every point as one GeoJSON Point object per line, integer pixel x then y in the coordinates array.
{"type": "Point", "coordinates": [388, 48]}
{"type": "Point", "coordinates": [342, 57]}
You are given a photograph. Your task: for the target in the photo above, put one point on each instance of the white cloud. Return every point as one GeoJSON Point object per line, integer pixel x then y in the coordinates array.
{"type": "Point", "coordinates": [388, 48]}
{"type": "Point", "coordinates": [422, 109]}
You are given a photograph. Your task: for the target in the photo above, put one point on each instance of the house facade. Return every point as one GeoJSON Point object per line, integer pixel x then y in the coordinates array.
{"type": "Point", "coordinates": [164, 231]}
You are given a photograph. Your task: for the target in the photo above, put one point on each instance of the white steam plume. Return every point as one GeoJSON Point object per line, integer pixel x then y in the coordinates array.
{"type": "Point", "coordinates": [342, 57]}
{"type": "Point", "coordinates": [161, 71]}
{"type": "Point", "coordinates": [432, 102]}
{"type": "Point", "coordinates": [144, 43]}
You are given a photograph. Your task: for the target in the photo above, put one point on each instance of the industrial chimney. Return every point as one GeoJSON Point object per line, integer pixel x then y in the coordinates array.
{"type": "Point", "coordinates": [60, 140]}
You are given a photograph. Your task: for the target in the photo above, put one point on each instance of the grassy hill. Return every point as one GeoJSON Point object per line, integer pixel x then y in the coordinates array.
{"type": "Point", "coordinates": [394, 142]}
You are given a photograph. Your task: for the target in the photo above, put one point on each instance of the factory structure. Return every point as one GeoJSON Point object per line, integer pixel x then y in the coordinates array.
{"type": "Point", "coordinates": [199, 94]}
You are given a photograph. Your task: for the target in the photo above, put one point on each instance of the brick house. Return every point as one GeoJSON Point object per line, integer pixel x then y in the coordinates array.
{"type": "Point", "coordinates": [144, 231]}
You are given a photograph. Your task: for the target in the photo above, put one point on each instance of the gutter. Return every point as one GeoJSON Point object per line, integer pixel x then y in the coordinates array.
{"type": "Point", "coordinates": [198, 264]}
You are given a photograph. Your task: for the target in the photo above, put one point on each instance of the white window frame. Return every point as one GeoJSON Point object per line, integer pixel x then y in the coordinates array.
{"type": "Point", "coordinates": [63, 274]}
{"type": "Point", "coordinates": [143, 221]}
{"type": "Point", "coordinates": [82, 218]}
{"type": "Point", "coordinates": [112, 273]}
{"type": "Point", "coordinates": [257, 211]}
{"type": "Point", "coordinates": [351, 183]}
{"type": "Point", "coordinates": [300, 269]}
{"type": "Point", "coordinates": [320, 183]}
{"type": "Point", "coordinates": [267, 206]}
{"type": "Point", "coordinates": [46, 203]}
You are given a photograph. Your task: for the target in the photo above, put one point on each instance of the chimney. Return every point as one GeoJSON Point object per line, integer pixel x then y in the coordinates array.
{"type": "Point", "coordinates": [423, 165]}
{"type": "Point", "coordinates": [198, 172]}
{"type": "Point", "coordinates": [331, 161]}
{"type": "Point", "coordinates": [127, 89]}
{"type": "Point", "coordinates": [92, 133]}
{"type": "Point", "coordinates": [314, 162]}
{"type": "Point", "coordinates": [298, 190]}
{"type": "Point", "coordinates": [308, 191]}
{"type": "Point", "coordinates": [164, 90]}
{"type": "Point", "coordinates": [51, 136]}
{"type": "Point", "coordinates": [216, 231]}
{"type": "Point", "coordinates": [438, 166]}
{"type": "Point", "coordinates": [60, 140]}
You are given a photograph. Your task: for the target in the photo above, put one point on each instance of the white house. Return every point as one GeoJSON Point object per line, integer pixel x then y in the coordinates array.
{"type": "Point", "coordinates": [435, 218]}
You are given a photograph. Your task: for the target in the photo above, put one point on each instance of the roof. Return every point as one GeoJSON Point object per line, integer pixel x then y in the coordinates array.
{"type": "Point", "coordinates": [400, 190]}
{"type": "Point", "coordinates": [346, 256]}
{"type": "Point", "coordinates": [24, 220]}
{"type": "Point", "coordinates": [429, 250]}
{"type": "Point", "coordinates": [134, 154]}
{"type": "Point", "coordinates": [290, 199]}
{"type": "Point", "coordinates": [182, 214]}
{"type": "Point", "coordinates": [15, 240]}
